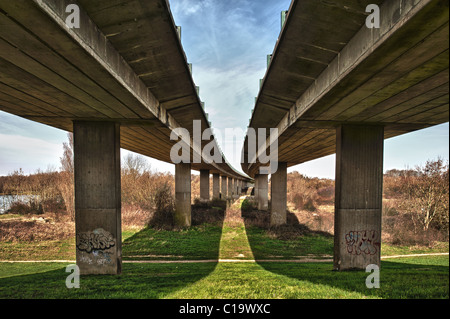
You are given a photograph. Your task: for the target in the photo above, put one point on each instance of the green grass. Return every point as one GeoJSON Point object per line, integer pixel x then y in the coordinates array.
{"type": "Point", "coordinates": [421, 277]}
{"type": "Point", "coordinates": [417, 277]}
{"type": "Point", "coordinates": [200, 242]}
{"type": "Point", "coordinates": [267, 247]}
{"type": "Point", "coordinates": [42, 250]}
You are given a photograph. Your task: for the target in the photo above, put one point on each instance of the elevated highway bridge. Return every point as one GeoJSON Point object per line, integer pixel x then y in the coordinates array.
{"type": "Point", "coordinates": [335, 85]}
{"type": "Point", "coordinates": [118, 79]}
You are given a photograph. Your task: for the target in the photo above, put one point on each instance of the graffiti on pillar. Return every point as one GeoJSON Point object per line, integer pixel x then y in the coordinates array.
{"type": "Point", "coordinates": [95, 241]}
{"type": "Point", "coordinates": [363, 242]}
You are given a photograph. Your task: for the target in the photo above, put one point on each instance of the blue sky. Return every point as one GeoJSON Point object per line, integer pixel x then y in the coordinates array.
{"type": "Point", "coordinates": [227, 43]}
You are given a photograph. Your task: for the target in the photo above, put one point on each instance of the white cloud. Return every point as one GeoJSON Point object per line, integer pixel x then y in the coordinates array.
{"type": "Point", "coordinates": [27, 153]}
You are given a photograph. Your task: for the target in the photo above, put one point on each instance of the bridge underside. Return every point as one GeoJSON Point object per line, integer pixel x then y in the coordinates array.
{"type": "Point", "coordinates": [398, 80]}
{"type": "Point", "coordinates": [336, 86]}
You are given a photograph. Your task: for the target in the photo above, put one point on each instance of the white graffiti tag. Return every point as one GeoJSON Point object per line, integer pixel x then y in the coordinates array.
{"type": "Point", "coordinates": [99, 239]}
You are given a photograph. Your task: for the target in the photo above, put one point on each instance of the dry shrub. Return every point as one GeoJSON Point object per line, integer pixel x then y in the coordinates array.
{"type": "Point", "coordinates": [292, 230]}
{"type": "Point", "coordinates": [206, 214]}
{"type": "Point", "coordinates": [164, 206]}
{"type": "Point", "coordinates": [133, 217]}
{"type": "Point", "coordinates": [309, 193]}
{"type": "Point", "coordinates": [16, 231]}
{"type": "Point", "coordinates": [65, 184]}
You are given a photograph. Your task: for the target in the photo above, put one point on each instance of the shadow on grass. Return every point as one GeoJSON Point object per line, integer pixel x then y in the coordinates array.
{"type": "Point", "coordinates": [410, 278]}
{"type": "Point", "coordinates": [290, 241]}
{"type": "Point", "coordinates": [397, 280]}
{"type": "Point", "coordinates": [199, 242]}
{"type": "Point", "coordinates": [138, 281]}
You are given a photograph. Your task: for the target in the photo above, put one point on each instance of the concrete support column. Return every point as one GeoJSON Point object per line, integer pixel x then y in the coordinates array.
{"type": "Point", "coordinates": [359, 191]}
{"type": "Point", "coordinates": [230, 187]}
{"type": "Point", "coordinates": [278, 190]}
{"type": "Point", "coordinates": [224, 187]}
{"type": "Point", "coordinates": [97, 198]}
{"type": "Point", "coordinates": [204, 185]}
{"type": "Point", "coordinates": [216, 186]}
{"type": "Point", "coordinates": [255, 187]}
{"type": "Point", "coordinates": [182, 216]}
{"type": "Point", "coordinates": [263, 192]}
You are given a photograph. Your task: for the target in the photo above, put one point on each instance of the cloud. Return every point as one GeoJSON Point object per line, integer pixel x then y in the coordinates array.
{"type": "Point", "coordinates": [27, 153]}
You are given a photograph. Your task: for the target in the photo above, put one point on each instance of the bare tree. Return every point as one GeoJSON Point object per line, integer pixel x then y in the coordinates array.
{"type": "Point", "coordinates": [67, 158]}
{"type": "Point", "coordinates": [66, 180]}
{"type": "Point", "coordinates": [426, 195]}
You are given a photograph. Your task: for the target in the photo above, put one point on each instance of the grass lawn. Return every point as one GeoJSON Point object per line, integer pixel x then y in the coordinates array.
{"type": "Point", "coordinates": [421, 277]}
{"type": "Point", "coordinates": [413, 277]}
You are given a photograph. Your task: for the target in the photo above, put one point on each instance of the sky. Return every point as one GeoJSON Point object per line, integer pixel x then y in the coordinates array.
{"type": "Point", "coordinates": [227, 43]}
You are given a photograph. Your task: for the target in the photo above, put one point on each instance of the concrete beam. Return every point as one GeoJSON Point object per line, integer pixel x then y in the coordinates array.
{"type": "Point", "coordinates": [204, 185]}
{"type": "Point", "coordinates": [263, 191]}
{"type": "Point", "coordinates": [224, 192]}
{"type": "Point", "coordinates": [97, 198]}
{"type": "Point", "coordinates": [278, 192]}
{"type": "Point", "coordinates": [216, 186]}
{"type": "Point", "coordinates": [182, 216]}
{"type": "Point", "coordinates": [377, 70]}
{"type": "Point", "coordinates": [359, 191]}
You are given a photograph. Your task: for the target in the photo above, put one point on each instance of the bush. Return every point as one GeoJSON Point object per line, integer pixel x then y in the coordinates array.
{"type": "Point", "coordinates": [164, 203]}
{"type": "Point", "coordinates": [247, 206]}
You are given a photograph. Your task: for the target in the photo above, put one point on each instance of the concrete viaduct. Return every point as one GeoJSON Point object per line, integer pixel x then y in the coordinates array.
{"type": "Point", "coordinates": [334, 85]}
{"type": "Point", "coordinates": [121, 80]}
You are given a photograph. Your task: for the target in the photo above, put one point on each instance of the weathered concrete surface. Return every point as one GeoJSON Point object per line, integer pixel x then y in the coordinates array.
{"type": "Point", "coordinates": [396, 76]}
{"type": "Point", "coordinates": [224, 187]}
{"type": "Point", "coordinates": [204, 185]}
{"type": "Point", "coordinates": [230, 187]}
{"type": "Point", "coordinates": [358, 200]}
{"type": "Point", "coordinates": [263, 191]}
{"type": "Point", "coordinates": [182, 216]}
{"type": "Point", "coordinates": [97, 198]}
{"type": "Point", "coordinates": [278, 190]}
{"type": "Point", "coordinates": [105, 70]}
{"type": "Point", "coordinates": [216, 186]}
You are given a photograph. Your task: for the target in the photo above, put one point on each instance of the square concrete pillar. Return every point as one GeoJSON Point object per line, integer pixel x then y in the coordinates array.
{"type": "Point", "coordinates": [359, 191]}
{"type": "Point", "coordinates": [97, 198]}
{"type": "Point", "coordinates": [278, 190]}
{"type": "Point", "coordinates": [216, 186]}
{"type": "Point", "coordinates": [230, 187]}
{"type": "Point", "coordinates": [224, 187]}
{"type": "Point", "coordinates": [204, 185]}
{"type": "Point", "coordinates": [182, 216]}
{"type": "Point", "coordinates": [255, 187]}
{"type": "Point", "coordinates": [263, 191]}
